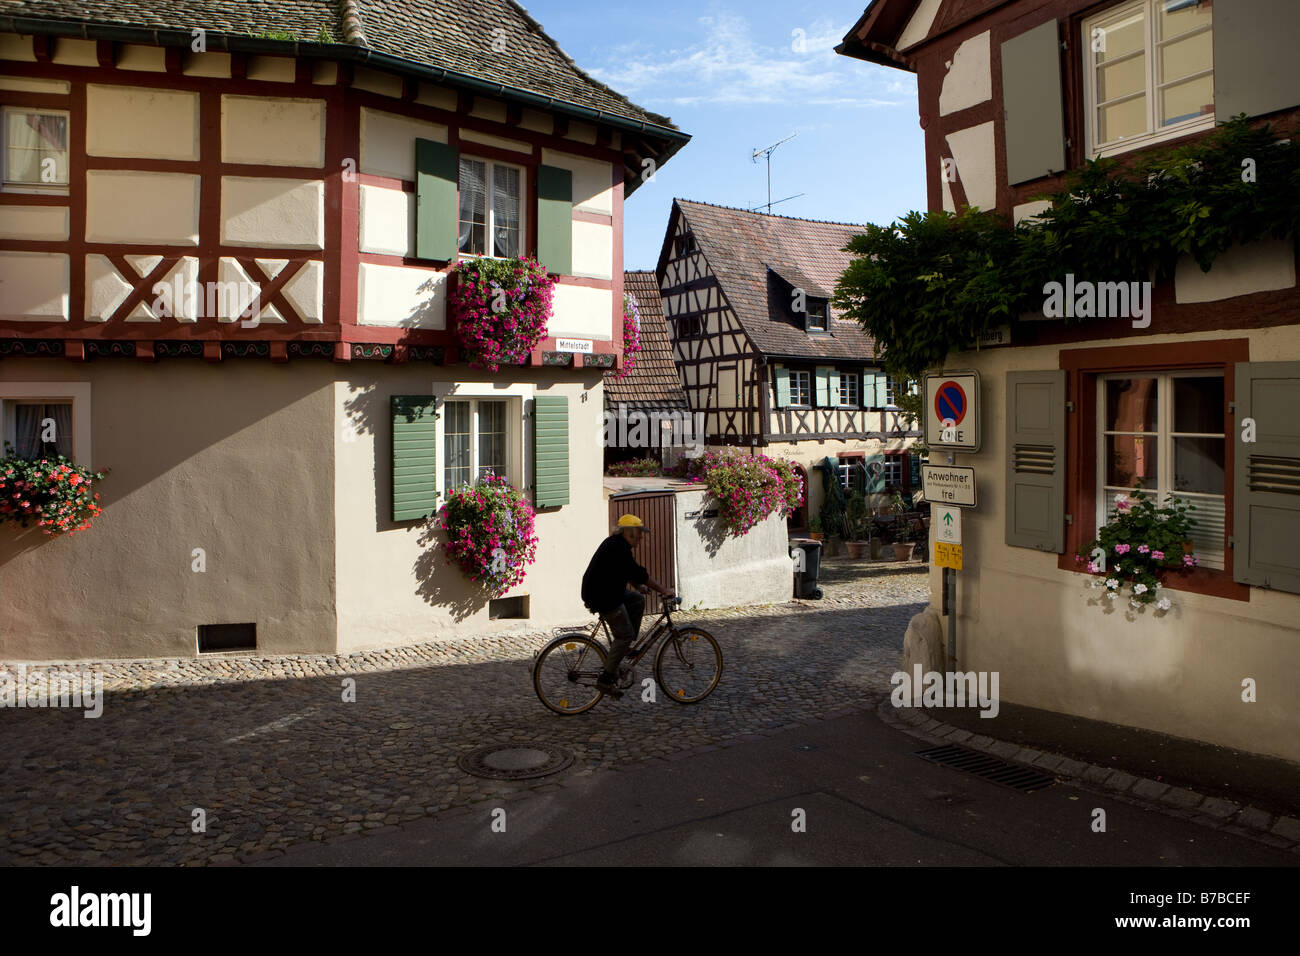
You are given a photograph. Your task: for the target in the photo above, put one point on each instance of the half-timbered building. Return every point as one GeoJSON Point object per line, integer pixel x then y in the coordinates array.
{"type": "Point", "coordinates": [763, 355]}
{"type": "Point", "coordinates": [227, 233]}
{"type": "Point", "coordinates": [1193, 400]}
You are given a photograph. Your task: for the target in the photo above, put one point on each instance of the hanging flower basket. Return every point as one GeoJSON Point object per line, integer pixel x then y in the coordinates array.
{"type": "Point", "coordinates": [1138, 547]}
{"type": "Point", "coordinates": [631, 334]}
{"type": "Point", "coordinates": [490, 535]}
{"type": "Point", "coordinates": [501, 308]}
{"type": "Point", "coordinates": [55, 493]}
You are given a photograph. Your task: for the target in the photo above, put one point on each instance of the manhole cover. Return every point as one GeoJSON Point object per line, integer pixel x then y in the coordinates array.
{"type": "Point", "coordinates": [515, 761]}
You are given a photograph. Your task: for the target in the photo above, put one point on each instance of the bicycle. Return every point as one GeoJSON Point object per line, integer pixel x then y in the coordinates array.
{"type": "Point", "coordinates": [687, 666]}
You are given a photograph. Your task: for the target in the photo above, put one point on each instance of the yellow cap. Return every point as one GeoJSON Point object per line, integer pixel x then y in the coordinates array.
{"type": "Point", "coordinates": [630, 521]}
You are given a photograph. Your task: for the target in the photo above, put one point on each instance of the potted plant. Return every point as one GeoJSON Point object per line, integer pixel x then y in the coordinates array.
{"type": "Point", "coordinates": [55, 493]}
{"type": "Point", "coordinates": [857, 521]}
{"type": "Point", "coordinates": [832, 519]}
{"type": "Point", "coordinates": [879, 538]}
{"type": "Point", "coordinates": [905, 543]}
{"type": "Point", "coordinates": [1138, 547]}
{"type": "Point", "coordinates": [815, 528]}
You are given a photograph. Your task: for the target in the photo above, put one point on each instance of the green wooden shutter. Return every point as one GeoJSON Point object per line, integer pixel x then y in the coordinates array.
{"type": "Point", "coordinates": [437, 176]}
{"type": "Point", "coordinates": [782, 386]}
{"type": "Point", "coordinates": [551, 450]}
{"type": "Point", "coordinates": [1031, 102]}
{"type": "Point", "coordinates": [1266, 476]}
{"type": "Point", "coordinates": [1036, 460]}
{"type": "Point", "coordinates": [1256, 70]}
{"type": "Point", "coordinates": [823, 387]}
{"type": "Point", "coordinates": [875, 480]}
{"type": "Point", "coordinates": [555, 219]}
{"type": "Point", "coordinates": [915, 475]}
{"type": "Point", "coordinates": [879, 390]}
{"type": "Point", "coordinates": [834, 389]}
{"type": "Point", "coordinates": [415, 456]}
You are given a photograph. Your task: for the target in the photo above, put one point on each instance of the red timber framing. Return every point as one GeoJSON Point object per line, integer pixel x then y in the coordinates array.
{"type": "Point", "coordinates": [341, 257]}
{"type": "Point", "coordinates": [1082, 366]}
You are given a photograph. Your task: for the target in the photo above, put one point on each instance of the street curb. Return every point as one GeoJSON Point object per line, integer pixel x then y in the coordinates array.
{"type": "Point", "coordinates": [1214, 812]}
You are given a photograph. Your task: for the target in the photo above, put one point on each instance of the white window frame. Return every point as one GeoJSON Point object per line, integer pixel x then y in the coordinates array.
{"type": "Point", "coordinates": [489, 215]}
{"type": "Point", "coordinates": [856, 378]}
{"type": "Point", "coordinates": [519, 409]}
{"type": "Point", "coordinates": [894, 471]}
{"type": "Point", "coordinates": [1155, 133]}
{"type": "Point", "coordinates": [1165, 436]}
{"type": "Point", "coordinates": [15, 186]}
{"type": "Point", "coordinates": [825, 316]}
{"type": "Point", "coordinates": [78, 393]}
{"type": "Point", "coordinates": [806, 387]}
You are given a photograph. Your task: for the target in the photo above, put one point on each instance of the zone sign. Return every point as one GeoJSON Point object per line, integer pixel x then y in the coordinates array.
{"type": "Point", "coordinates": [952, 412]}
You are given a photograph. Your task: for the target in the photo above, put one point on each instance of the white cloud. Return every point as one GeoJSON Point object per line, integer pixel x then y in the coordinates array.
{"type": "Point", "coordinates": [727, 65]}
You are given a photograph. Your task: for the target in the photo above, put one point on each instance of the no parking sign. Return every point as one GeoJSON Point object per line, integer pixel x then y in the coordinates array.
{"type": "Point", "coordinates": [952, 410]}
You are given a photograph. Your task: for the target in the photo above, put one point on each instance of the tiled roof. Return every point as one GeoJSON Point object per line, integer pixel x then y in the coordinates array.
{"type": "Point", "coordinates": [740, 247]}
{"type": "Point", "coordinates": [455, 35]}
{"type": "Point", "coordinates": [653, 381]}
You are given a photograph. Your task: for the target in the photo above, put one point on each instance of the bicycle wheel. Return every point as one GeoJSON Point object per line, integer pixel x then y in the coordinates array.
{"type": "Point", "coordinates": [688, 665]}
{"type": "Point", "coordinates": [566, 672]}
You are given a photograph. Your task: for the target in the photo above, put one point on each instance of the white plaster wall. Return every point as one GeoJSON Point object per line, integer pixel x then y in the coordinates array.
{"type": "Point", "coordinates": [258, 211]}
{"type": "Point", "coordinates": [751, 569]}
{"type": "Point", "coordinates": [136, 121]}
{"type": "Point", "coordinates": [969, 80]}
{"type": "Point", "coordinates": [267, 130]}
{"type": "Point", "coordinates": [1257, 267]}
{"type": "Point", "coordinates": [918, 27]}
{"type": "Point", "coordinates": [401, 296]}
{"type": "Point", "coordinates": [385, 84]}
{"type": "Point", "coordinates": [593, 250]}
{"type": "Point", "coordinates": [473, 136]}
{"type": "Point", "coordinates": [22, 84]}
{"type": "Point", "coordinates": [436, 96]}
{"type": "Point", "coordinates": [593, 189]}
{"type": "Point", "coordinates": [972, 149]}
{"type": "Point", "coordinates": [273, 69]}
{"type": "Point", "coordinates": [69, 52]}
{"type": "Point", "coordinates": [215, 65]}
{"type": "Point", "coordinates": [34, 222]}
{"type": "Point", "coordinates": [34, 285]}
{"type": "Point", "coordinates": [582, 312]}
{"type": "Point", "coordinates": [1180, 674]}
{"type": "Point", "coordinates": [393, 587]}
{"type": "Point", "coordinates": [388, 143]}
{"type": "Point", "coordinates": [134, 56]}
{"type": "Point", "coordinates": [306, 292]}
{"type": "Point", "coordinates": [142, 207]}
{"type": "Point", "coordinates": [387, 221]}
{"type": "Point", "coordinates": [15, 47]}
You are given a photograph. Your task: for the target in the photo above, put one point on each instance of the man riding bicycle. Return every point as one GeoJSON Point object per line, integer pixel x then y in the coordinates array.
{"type": "Point", "coordinates": [605, 591]}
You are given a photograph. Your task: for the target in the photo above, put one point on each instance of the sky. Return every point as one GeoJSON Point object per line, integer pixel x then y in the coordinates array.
{"type": "Point", "coordinates": [739, 76]}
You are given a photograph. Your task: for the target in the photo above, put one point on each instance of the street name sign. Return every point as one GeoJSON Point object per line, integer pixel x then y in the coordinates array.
{"type": "Point", "coordinates": [574, 345]}
{"type": "Point", "coordinates": [952, 410]}
{"type": "Point", "coordinates": [947, 524]}
{"type": "Point", "coordinates": [952, 485]}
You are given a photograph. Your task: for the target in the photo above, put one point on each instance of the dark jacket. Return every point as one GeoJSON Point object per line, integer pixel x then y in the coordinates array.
{"type": "Point", "coordinates": [608, 574]}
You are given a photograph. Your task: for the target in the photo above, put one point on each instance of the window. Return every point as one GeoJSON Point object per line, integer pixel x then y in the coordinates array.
{"type": "Point", "coordinates": [685, 245]}
{"type": "Point", "coordinates": [38, 429]}
{"type": "Point", "coordinates": [894, 471]}
{"type": "Point", "coordinates": [848, 389]}
{"type": "Point", "coordinates": [1165, 431]}
{"type": "Point", "coordinates": [475, 434]}
{"type": "Point", "coordinates": [800, 389]}
{"type": "Point", "coordinates": [491, 209]}
{"type": "Point", "coordinates": [816, 316]}
{"type": "Point", "coordinates": [1149, 73]}
{"type": "Point", "coordinates": [689, 326]}
{"type": "Point", "coordinates": [891, 392]}
{"type": "Point", "coordinates": [36, 147]}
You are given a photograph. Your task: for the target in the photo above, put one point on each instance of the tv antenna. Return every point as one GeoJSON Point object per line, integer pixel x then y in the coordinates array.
{"type": "Point", "coordinates": [766, 153]}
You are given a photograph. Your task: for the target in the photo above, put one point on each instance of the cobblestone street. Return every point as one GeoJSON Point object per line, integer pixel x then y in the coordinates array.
{"type": "Point", "coordinates": [272, 754]}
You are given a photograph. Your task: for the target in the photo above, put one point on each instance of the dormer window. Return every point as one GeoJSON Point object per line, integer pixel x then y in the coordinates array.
{"type": "Point", "coordinates": [815, 320]}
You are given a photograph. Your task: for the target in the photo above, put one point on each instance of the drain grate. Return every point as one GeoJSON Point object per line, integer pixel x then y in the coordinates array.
{"type": "Point", "coordinates": [1015, 776]}
{"type": "Point", "coordinates": [515, 761]}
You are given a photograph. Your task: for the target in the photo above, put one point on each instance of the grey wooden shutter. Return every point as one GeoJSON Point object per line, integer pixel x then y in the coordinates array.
{"type": "Point", "coordinates": [1266, 477]}
{"type": "Point", "coordinates": [1256, 69]}
{"type": "Point", "coordinates": [555, 219]}
{"type": "Point", "coordinates": [437, 216]}
{"type": "Point", "coordinates": [1031, 101]}
{"type": "Point", "coordinates": [1036, 460]}
{"type": "Point", "coordinates": [823, 387]}
{"type": "Point", "coordinates": [415, 456]}
{"type": "Point", "coordinates": [551, 450]}
{"type": "Point", "coordinates": [782, 386]}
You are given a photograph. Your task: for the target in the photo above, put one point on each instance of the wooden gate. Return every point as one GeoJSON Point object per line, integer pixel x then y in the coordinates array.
{"type": "Point", "coordinates": [657, 550]}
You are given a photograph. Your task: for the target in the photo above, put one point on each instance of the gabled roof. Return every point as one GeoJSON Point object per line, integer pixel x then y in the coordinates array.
{"type": "Point", "coordinates": [653, 381]}
{"type": "Point", "coordinates": [446, 41]}
{"type": "Point", "coordinates": [742, 248]}
{"type": "Point", "coordinates": [875, 36]}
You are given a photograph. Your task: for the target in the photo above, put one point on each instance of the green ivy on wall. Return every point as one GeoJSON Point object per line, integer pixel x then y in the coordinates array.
{"type": "Point", "coordinates": [933, 282]}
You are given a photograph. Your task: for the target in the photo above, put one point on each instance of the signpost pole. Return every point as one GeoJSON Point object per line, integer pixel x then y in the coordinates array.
{"type": "Point", "coordinates": [950, 585]}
